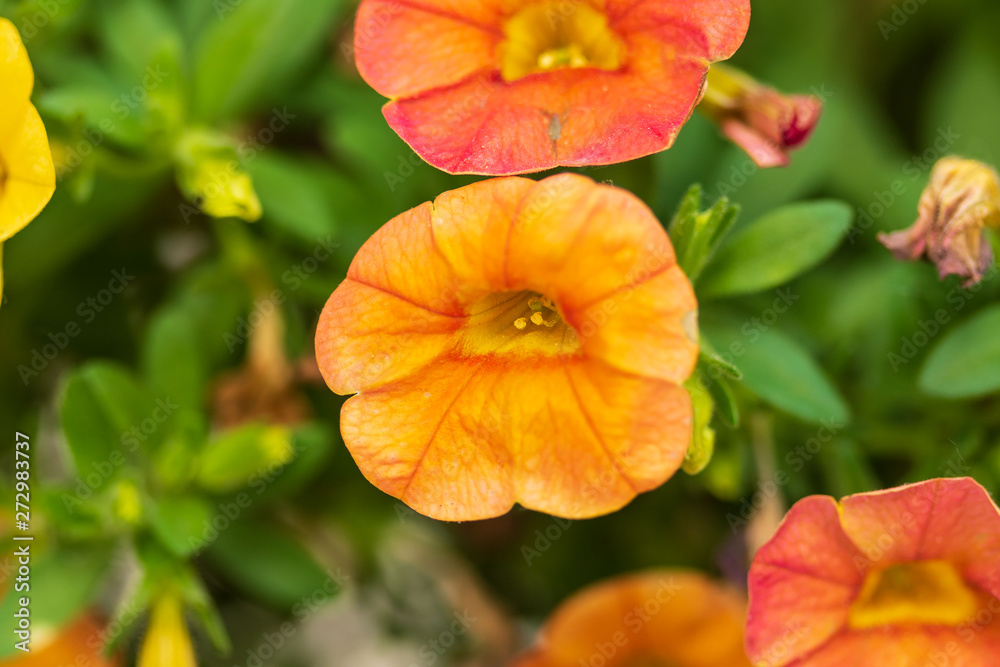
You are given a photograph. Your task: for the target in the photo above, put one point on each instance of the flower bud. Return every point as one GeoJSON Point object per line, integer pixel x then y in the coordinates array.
{"type": "Point", "coordinates": [760, 120]}
{"type": "Point", "coordinates": [209, 173]}
{"type": "Point", "coordinates": [167, 642]}
{"type": "Point", "coordinates": [961, 200]}
{"type": "Point", "coordinates": [699, 454]}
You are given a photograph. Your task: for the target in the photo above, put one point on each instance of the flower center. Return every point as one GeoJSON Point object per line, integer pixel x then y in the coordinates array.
{"type": "Point", "coordinates": [929, 592]}
{"type": "Point", "coordinates": [554, 34]}
{"type": "Point", "coordinates": [518, 324]}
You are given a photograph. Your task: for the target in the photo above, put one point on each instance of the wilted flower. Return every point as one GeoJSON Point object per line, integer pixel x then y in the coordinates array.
{"type": "Point", "coordinates": [167, 642]}
{"type": "Point", "coordinates": [27, 175]}
{"type": "Point", "coordinates": [661, 617]}
{"type": "Point", "coordinates": [962, 199]}
{"type": "Point", "coordinates": [515, 341]}
{"type": "Point", "coordinates": [760, 120]}
{"type": "Point", "coordinates": [908, 576]}
{"type": "Point", "coordinates": [498, 87]}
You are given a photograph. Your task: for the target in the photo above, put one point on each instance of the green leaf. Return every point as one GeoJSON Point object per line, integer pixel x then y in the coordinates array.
{"type": "Point", "coordinates": [249, 56]}
{"type": "Point", "coordinates": [281, 572]}
{"type": "Point", "coordinates": [778, 370]}
{"type": "Point", "coordinates": [293, 193]}
{"type": "Point", "coordinates": [56, 598]}
{"type": "Point", "coordinates": [776, 248]}
{"type": "Point", "coordinates": [966, 363]}
{"type": "Point", "coordinates": [102, 403]}
{"type": "Point", "coordinates": [232, 459]}
{"type": "Point", "coordinates": [181, 523]}
{"type": "Point", "coordinates": [172, 357]}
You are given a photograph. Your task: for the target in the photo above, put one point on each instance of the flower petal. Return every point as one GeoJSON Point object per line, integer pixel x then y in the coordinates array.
{"type": "Point", "coordinates": [717, 26]}
{"type": "Point", "coordinates": [677, 616]}
{"type": "Point", "coordinates": [484, 125]}
{"type": "Point", "coordinates": [466, 438]}
{"type": "Point", "coordinates": [802, 583]}
{"type": "Point", "coordinates": [15, 68]}
{"type": "Point", "coordinates": [448, 39]}
{"type": "Point", "coordinates": [908, 647]}
{"type": "Point", "coordinates": [941, 519]}
{"type": "Point", "coordinates": [31, 176]}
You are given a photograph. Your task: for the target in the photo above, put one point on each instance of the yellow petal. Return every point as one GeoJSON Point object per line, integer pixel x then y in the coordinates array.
{"type": "Point", "coordinates": [27, 175]}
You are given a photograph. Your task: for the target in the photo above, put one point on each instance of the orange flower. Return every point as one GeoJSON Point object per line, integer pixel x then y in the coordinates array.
{"type": "Point", "coordinates": [961, 200]}
{"type": "Point", "coordinates": [906, 577]}
{"type": "Point", "coordinates": [518, 86]}
{"type": "Point", "coordinates": [27, 176]}
{"type": "Point", "coordinates": [515, 341]}
{"type": "Point", "coordinates": [666, 617]}
{"type": "Point", "coordinates": [760, 120]}
{"type": "Point", "coordinates": [79, 643]}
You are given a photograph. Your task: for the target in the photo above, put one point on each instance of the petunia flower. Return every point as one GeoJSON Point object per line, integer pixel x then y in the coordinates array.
{"type": "Point", "coordinates": [661, 617]}
{"type": "Point", "coordinates": [906, 577]}
{"type": "Point", "coordinates": [760, 120]}
{"type": "Point", "coordinates": [961, 200]}
{"type": "Point", "coordinates": [515, 341]}
{"type": "Point", "coordinates": [518, 86]}
{"type": "Point", "coordinates": [27, 176]}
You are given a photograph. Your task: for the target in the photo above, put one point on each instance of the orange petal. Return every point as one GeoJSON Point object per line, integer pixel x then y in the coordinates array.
{"type": "Point", "coordinates": [676, 616]}
{"type": "Point", "coordinates": [368, 337]}
{"type": "Point", "coordinates": [464, 440]}
{"type": "Point", "coordinates": [30, 177]}
{"type": "Point", "coordinates": [907, 647]}
{"type": "Point", "coordinates": [483, 125]}
{"type": "Point", "coordinates": [403, 48]}
{"type": "Point", "coordinates": [802, 583]}
{"type": "Point", "coordinates": [940, 519]}
{"type": "Point", "coordinates": [716, 27]}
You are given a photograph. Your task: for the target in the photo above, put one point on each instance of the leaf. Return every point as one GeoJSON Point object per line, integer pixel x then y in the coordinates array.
{"type": "Point", "coordinates": [231, 460]}
{"type": "Point", "coordinates": [966, 363]}
{"type": "Point", "coordinates": [181, 523]}
{"type": "Point", "coordinates": [172, 358]}
{"type": "Point", "coordinates": [248, 57]}
{"type": "Point", "coordinates": [281, 572]}
{"type": "Point", "coordinates": [776, 248]}
{"type": "Point", "coordinates": [778, 370]}
{"type": "Point", "coordinates": [102, 404]}
{"type": "Point", "coordinates": [293, 194]}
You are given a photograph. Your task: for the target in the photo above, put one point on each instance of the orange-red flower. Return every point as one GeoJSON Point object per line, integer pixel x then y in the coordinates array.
{"type": "Point", "coordinates": [78, 643]}
{"type": "Point", "coordinates": [760, 120]}
{"type": "Point", "coordinates": [906, 577]}
{"type": "Point", "coordinates": [515, 341]}
{"type": "Point", "coordinates": [664, 617]}
{"type": "Point", "coordinates": [518, 86]}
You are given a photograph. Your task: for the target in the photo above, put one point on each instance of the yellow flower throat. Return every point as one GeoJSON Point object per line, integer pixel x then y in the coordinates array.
{"type": "Point", "coordinates": [558, 34]}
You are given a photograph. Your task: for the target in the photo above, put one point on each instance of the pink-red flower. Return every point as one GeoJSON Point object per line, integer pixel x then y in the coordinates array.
{"type": "Point", "coordinates": [515, 341]}
{"type": "Point", "coordinates": [760, 120]}
{"type": "Point", "coordinates": [518, 86]}
{"type": "Point", "coordinates": [661, 617]}
{"type": "Point", "coordinates": [907, 577]}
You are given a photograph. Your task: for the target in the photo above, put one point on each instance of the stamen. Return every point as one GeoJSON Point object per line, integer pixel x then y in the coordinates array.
{"type": "Point", "coordinates": [521, 323]}
{"type": "Point", "coordinates": [537, 319]}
